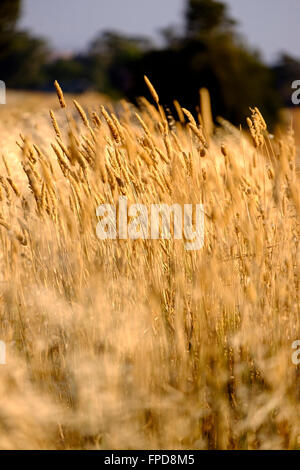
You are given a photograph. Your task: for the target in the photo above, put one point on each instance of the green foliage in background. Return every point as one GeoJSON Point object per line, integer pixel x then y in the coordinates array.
{"type": "Point", "coordinates": [22, 57]}
{"type": "Point", "coordinates": [207, 52]}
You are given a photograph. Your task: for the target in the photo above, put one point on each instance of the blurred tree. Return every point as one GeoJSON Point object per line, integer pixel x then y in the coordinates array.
{"type": "Point", "coordinates": [111, 56]}
{"type": "Point", "coordinates": [22, 64]}
{"type": "Point", "coordinates": [22, 57]}
{"type": "Point", "coordinates": [9, 14]}
{"type": "Point", "coordinates": [203, 17]}
{"type": "Point", "coordinates": [73, 74]}
{"type": "Point", "coordinates": [209, 54]}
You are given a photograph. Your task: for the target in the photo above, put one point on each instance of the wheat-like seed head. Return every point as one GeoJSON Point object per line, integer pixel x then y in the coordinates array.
{"type": "Point", "coordinates": [60, 95]}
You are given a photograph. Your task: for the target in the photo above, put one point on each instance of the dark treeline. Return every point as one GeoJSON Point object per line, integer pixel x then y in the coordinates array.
{"type": "Point", "coordinates": [207, 53]}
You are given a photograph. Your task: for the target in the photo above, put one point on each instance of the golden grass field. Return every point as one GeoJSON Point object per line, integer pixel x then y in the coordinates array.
{"type": "Point", "coordinates": [141, 344]}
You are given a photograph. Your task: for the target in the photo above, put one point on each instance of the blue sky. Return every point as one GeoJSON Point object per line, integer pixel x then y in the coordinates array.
{"type": "Point", "coordinates": [271, 25]}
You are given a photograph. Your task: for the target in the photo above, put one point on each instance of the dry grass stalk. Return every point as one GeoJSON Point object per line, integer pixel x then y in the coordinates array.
{"type": "Point", "coordinates": [200, 340]}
